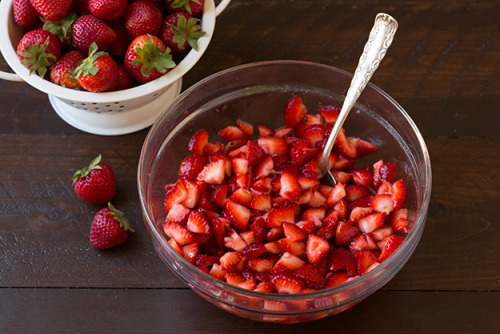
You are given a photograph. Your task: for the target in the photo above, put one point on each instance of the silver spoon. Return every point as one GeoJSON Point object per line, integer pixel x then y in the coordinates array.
{"type": "Point", "coordinates": [380, 39]}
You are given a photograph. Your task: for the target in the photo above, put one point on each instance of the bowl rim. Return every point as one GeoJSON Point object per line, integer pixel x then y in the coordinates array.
{"type": "Point", "coordinates": [10, 55]}
{"type": "Point", "coordinates": [413, 236]}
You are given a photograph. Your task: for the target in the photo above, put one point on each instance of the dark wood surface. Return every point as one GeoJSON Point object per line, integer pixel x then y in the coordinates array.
{"type": "Point", "coordinates": [443, 68]}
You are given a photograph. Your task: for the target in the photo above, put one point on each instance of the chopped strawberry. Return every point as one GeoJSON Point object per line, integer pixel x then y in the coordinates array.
{"type": "Point", "coordinates": [230, 260]}
{"type": "Point", "coordinates": [362, 241]}
{"type": "Point", "coordinates": [342, 259]}
{"type": "Point", "coordinates": [234, 241]}
{"type": "Point", "coordinates": [213, 149]}
{"type": "Point", "coordinates": [336, 279]}
{"type": "Point", "coordinates": [237, 214]}
{"type": "Point", "coordinates": [179, 233]}
{"type": "Point", "coordinates": [330, 113]}
{"type": "Point", "coordinates": [287, 283]}
{"type": "Point", "coordinates": [234, 278]}
{"type": "Point", "coordinates": [175, 246]}
{"type": "Point", "coordinates": [300, 152]}
{"type": "Point", "coordinates": [385, 188]}
{"type": "Point", "coordinates": [290, 186]}
{"type": "Point", "coordinates": [197, 223]}
{"type": "Point", "coordinates": [248, 236]}
{"type": "Point", "coordinates": [245, 127]}
{"type": "Point", "coordinates": [311, 168]}
{"type": "Point", "coordinates": [315, 215]}
{"type": "Point", "coordinates": [317, 200]}
{"type": "Point", "coordinates": [178, 214]}
{"type": "Point", "coordinates": [297, 248]}
{"type": "Point", "coordinates": [293, 232]}
{"type": "Point", "coordinates": [198, 142]}
{"type": "Point", "coordinates": [220, 195]}
{"type": "Point", "coordinates": [254, 250]}
{"type": "Point", "coordinates": [307, 226]}
{"type": "Point", "coordinates": [341, 176]}
{"type": "Point", "coordinates": [230, 133]}
{"type": "Point", "coordinates": [190, 251]}
{"type": "Point", "coordinates": [287, 261]}
{"type": "Point", "coordinates": [316, 249]}
{"type": "Point", "coordinates": [355, 191]}
{"type": "Point", "coordinates": [382, 233]}
{"type": "Point", "coordinates": [264, 168]}
{"type": "Point", "coordinates": [191, 167]}
{"type": "Point", "coordinates": [344, 234]}
{"type": "Point", "coordinates": [382, 203]}
{"type": "Point", "coordinates": [261, 202]}
{"type": "Point", "coordinates": [310, 119]}
{"type": "Point", "coordinates": [362, 177]}
{"type": "Point", "coordinates": [240, 166]}
{"type": "Point", "coordinates": [371, 222]}
{"type": "Point", "coordinates": [312, 276]}
{"type": "Point", "coordinates": [259, 228]}
{"type": "Point", "coordinates": [277, 216]}
{"type": "Point", "coordinates": [283, 132]}
{"type": "Point", "coordinates": [344, 147]}
{"type": "Point", "coordinates": [314, 134]}
{"type": "Point", "coordinates": [398, 194]}
{"type": "Point", "coordinates": [399, 220]}
{"type": "Point", "coordinates": [242, 196]}
{"type": "Point", "coordinates": [255, 153]}
{"type": "Point", "coordinates": [342, 208]}
{"type": "Point", "coordinates": [359, 212]}
{"type": "Point", "coordinates": [265, 131]}
{"type": "Point", "coordinates": [365, 259]}
{"type": "Point", "coordinates": [273, 145]}
{"type": "Point", "coordinates": [390, 246]}
{"type": "Point", "coordinates": [336, 194]}
{"type": "Point", "coordinates": [260, 265]}
{"type": "Point", "coordinates": [307, 182]}
{"type": "Point", "coordinates": [388, 172]}
{"type": "Point", "coordinates": [364, 148]}
{"type": "Point", "coordinates": [213, 172]}
{"type": "Point", "coordinates": [176, 195]}
{"type": "Point", "coordinates": [294, 111]}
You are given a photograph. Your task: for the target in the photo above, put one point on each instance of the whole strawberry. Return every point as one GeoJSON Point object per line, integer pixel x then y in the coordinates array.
{"type": "Point", "coordinates": [147, 58]}
{"type": "Point", "coordinates": [108, 9]}
{"type": "Point", "coordinates": [88, 29]}
{"type": "Point", "coordinates": [24, 13]}
{"type": "Point", "coordinates": [193, 7]}
{"type": "Point", "coordinates": [109, 228]}
{"type": "Point", "coordinates": [180, 32]}
{"type": "Point", "coordinates": [61, 71]}
{"type": "Point", "coordinates": [143, 17]}
{"type": "Point", "coordinates": [98, 72]}
{"type": "Point", "coordinates": [52, 10]}
{"type": "Point", "coordinates": [38, 50]}
{"type": "Point", "coordinates": [95, 183]}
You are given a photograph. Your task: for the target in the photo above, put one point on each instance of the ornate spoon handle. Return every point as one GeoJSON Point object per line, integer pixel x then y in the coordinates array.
{"type": "Point", "coordinates": [380, 39]}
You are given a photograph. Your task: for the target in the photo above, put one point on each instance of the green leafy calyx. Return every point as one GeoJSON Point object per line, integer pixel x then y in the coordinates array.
{"type": "Point", "coordinates": [152, 57]}
{"type": "Point", "coordinates": [120, 218]}
{"type": "Point", "coordinates": [87, 66]}
{"type": "Point", "coordinates": [62, 29]}
{"type": "Point", "coordinates": [187, 31]}
{"type": "Point", "coordinates": [94, 164]}
{"type": "Point", "coordinates": [37, 59]}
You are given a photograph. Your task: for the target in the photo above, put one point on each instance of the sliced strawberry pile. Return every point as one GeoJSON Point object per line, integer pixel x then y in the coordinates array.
{"type": "Point", "coordinates": [253, 213]}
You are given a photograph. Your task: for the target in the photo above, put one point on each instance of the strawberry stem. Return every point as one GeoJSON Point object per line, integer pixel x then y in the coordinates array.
{"type": "Point", "coordinates": [187, 31]}
{"type": "Point", "coordinates": [37, 59]}
{"type": "Point", "coordinates": [152, 57]}
{"type": "Point", "coordinates": [120, 218]}
{"type": "Point", "coordinates": [87, 66]}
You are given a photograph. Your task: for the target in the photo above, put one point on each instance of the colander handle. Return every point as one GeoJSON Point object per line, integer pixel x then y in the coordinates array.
{"type": "Point", "coordinates": [221, 6]}
{"type": "Point", "coordinates": [10, 76]}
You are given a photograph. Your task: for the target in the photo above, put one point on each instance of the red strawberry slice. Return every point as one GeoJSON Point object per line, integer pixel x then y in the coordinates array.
{"type": "Point", "coordinates": [310, 119]}
{"type": "Point", "coordinates": [217, 272]}
{"type": "Point", "coordinates": [371, 222]}
{"type": "Point", "coordinates": [213, 172]}
{"type": "Point", "coordinates": [336, 279]}
{"type": "Point", "coordinates": [190, 251]}
{"type": "Point", "coordinates": [234, 241]}
{"type": "Point", "coordinates": [344, 147]}
{"type": "Point", "coordinates": [359, 212]}
{"type": "Point", "coordinates": [205, 261]}
{"type": "Point", "coordinates": [242, 196]}
{"type": "Point", "coordinates": [365, 259]}
{"type": "Point", "coordinates": [273, 145]}
{"type": "Point", "coordinates": [382, 203]}
{"type": "Point", "coordinates": [290, 186]}
{"type": "Point", "coordinates": [265, 131]}
{"type": "Point", "coordinates": [265, 287]}
{"type": "Point", "coordinates": [283, 132]}
{"type": "Point", "coordinates": [382, 233]}
{"type": "Point", "coordinates": [341, 176]}
{"type": "Point", "coordinates": [307, 182]}
{"type": "Point", "coordinates": [277, 216]}
{"type": "Point", "coordinates": [390, 246]}
{"type": "Point", "coordinates": [248, 236]}
{"type": "Point", "coordinates": [342, 208]}
{"type": "Point", "coordinates": [191, 167]}
{"type": "Point", "coordinates": [317, 248]}
{"type": "Point", "coordinates": [342, 259]}
{"type": "Point", "coordinates": [176, 195]}
{"type": "Point", "coordinates": [288, 262]}
{"type": "Point", "coordinates": [287, 283]}
{"type": "Point", "coordinates": [237, 214]}
{"type": "Point", "coordinates": [192, 194]}
{"type": "Point", "coordinates": [293, 232]}
{"type": "Point", "coordinates": [198, 142]}
{"type": "Point", "coordinates": [294, 111]}
{"type": "Point", "coordinates": [197, 223]}
{"type": "Point", "coordinates": [253, 250]}
{"type": "Point", "coordinates": [234, 278]}
{"type": "Point", "coordinates": [311, 169]}
{"type": "Point", "coordinates": [362, 177]}
{"type": "Point", "coordinates": [218, 227]}
{"type": "Point", "coordinates": [314, 134]}
{"type": "Point", "coordinates": [178, 214]}
{"type": "Point", "coordinates": [384, 188]}
{"type": "Point", "coordinates": [330, 113]}
{"type": "Point", "coordinates": [260, 265]}
{"type": "Point", "coordinates": [297, 248]}
{"type": "Point", "coordinates": [240, 166]}
{"type": "Point", "coordinates": [344, 233]}
{"type": "Point", "coordinates": [315, 215]}
{"type": "Point", "coordinates": [327, 231]}
{"type": "Point", "coordinates": [388, 172]}
{"type": "Point", "coordinates": [317, 200]}
{"type": "Point", "coordinates": [362, 241]}
{"type": "Point", "coordinates": [179, 233]}
{"type": "Point", "coordinates": [399, 220]}
{"type": "Point", "coordinates": [398, 194]}
{"type": "Point", "coordinates": [336, 194]}
{"type": "Point", "coordinates": [259, 229]}
{"type": "Point", "coordinates": [355, 192]}
{"type": "Point", "coordinates": [245, 127]}
{"type": "Point", "coordinates": [261, 202]}
{"type": "Point", "coordinates": [264, 168]}
{"type": "Point", "coordinates": [175, 246]}
{"type": "Point", "coordinates": [255, 153]}
{"type": "Point", "coordinates": [363, 147]}
{"type": "Point", "coordinates": [312, 276]}
{"type": "Point", "coordinates": [230, 260]}
{"type": "Point", "coordinates": [230, 133]}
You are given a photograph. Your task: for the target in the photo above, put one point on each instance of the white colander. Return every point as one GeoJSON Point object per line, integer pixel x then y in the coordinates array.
{"type": "Point", "coordinates": [109, 113]}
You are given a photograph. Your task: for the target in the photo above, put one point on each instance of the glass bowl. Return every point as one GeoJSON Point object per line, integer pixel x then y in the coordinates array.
{"type": "Point", "coordinates": [257, 93]}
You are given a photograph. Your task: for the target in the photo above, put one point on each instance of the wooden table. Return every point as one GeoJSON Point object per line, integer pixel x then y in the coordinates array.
{"type": "Point", "coordinates": [443, 67]}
